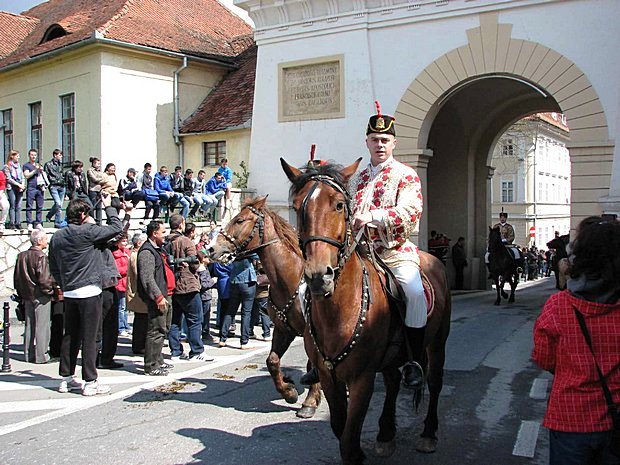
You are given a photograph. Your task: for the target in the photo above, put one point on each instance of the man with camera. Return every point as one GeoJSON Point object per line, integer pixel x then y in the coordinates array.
{"type": "Point", "coordinates": [186, 297]}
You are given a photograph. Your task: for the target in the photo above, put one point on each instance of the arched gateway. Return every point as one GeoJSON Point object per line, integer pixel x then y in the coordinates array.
{"type": "Point", "coordinates": [456, 74]}
{"type": "Point", "coordinates": [448, 137]}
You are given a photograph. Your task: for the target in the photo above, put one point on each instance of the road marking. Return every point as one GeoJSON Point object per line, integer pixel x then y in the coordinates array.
{"type": "Point", "coordinates": [539, 389]}
{"type": "Point", "coordinates": [83, 403]}
{"type": "Point", "coordinates": [525, 445]}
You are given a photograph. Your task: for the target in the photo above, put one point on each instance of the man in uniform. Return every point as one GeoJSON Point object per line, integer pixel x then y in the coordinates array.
{"type": "Point", "coordinates": [505, 228]}
{"type": "Point", "coordinates": [387, 197]}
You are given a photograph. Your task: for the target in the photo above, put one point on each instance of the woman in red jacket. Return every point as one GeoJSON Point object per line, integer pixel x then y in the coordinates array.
{"type": "Point", "coordinates": [121, 258]}
{"type": "Point", "coordinates": [579, 420]}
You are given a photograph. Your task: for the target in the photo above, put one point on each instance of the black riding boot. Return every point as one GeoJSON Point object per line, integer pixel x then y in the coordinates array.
{"type": "Point", "coordinates": [310, 378]}
{"type": "Point", "coordinates": [413, 373]}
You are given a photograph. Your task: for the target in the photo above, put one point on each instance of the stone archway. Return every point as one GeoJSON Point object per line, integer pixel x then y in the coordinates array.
{"type": "Point", "coordinates": [513, 78]}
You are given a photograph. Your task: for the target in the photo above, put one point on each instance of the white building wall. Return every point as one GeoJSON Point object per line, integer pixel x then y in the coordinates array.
{"type": "Point", "coordinates": [385, 48]}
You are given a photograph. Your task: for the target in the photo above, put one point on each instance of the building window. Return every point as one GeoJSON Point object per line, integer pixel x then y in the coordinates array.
{"type": "Point", "coordinates": [213, 152]}
{"type": "Point", "coordinates": [7, 132]}
{"type": "Point", "coordinates": [67, 104]}
{"type": "Point", "coordinates": [36, 128]}
{"type": "Point", "coordinates": [508, 149]}
{"type": "Point", "coordinates": [507, 191]}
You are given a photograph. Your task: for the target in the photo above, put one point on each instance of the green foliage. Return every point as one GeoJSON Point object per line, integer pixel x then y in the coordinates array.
{"type": "Point", "coordinates": [242, 177]}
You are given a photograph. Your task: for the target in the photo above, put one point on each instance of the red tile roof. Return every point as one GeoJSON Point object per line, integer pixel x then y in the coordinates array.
{"type": "Point", "coordinates": [196, 27]}
{"type": "Point", "coordinates": [13, 30]}
{"type": "Point", "coordinates": [230, 104]}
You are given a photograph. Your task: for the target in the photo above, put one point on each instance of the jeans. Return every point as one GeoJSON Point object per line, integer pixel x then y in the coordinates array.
{"type": "Point", "coordinates": [581, 448]}
{"type": "Point", "coordinates": [181, 199]}
{"type": "Point", "coordinates": [190, 306]}
{"type": "Point", "coordinates": [240, 293]}
{"type": "Point", "coordinates": [58, 194]}
{"type": "Point", "coordinates": [95, 200]}
{"type": "Point", "coordinates": [215, 199]}
{"type": "Point", "coordinates": [259, 315]}
{"type": "Point", "coordinates": [15, 206]}
{"type": "Point", "coordinates": [206, 317]}
{"type": "Point", "coordinates": [34, 195]}
{"type": "Point", "coordinates": [4, 207]}
{"type": "Point", "coordinates": [123, 324]}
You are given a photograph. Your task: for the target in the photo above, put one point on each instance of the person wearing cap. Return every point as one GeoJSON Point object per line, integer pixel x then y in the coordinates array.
{"type": "Point", "coordinates": [505, 229]}
{"type": "Point", "coordinates": [387, 198]}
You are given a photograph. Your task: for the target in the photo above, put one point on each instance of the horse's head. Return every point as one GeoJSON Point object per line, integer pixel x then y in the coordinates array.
{"type": "Point", "coordinates": [495, 236]}
{"type": "Point", "coordinates": [242, 233]}
{"type": "Point", "coordinates": [321, 201]}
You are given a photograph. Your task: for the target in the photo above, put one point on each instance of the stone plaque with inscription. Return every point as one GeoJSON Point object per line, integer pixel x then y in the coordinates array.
{"type": "Point", "coordinates": [311, 89]}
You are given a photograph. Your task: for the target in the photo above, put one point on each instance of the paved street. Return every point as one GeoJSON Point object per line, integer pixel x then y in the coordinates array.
{"type": "Point", "coordinates": [227, 412]}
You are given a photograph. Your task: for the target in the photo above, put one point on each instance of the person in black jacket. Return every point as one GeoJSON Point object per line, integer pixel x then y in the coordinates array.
{"type": "Point", "coordinates": [459, 260]}
{"type": "Point", "coordinates": [77, 266]}
{"type": "Point", "coordinates": [76, 183]}
{"type": "Point", "coordinates": [53, 169]}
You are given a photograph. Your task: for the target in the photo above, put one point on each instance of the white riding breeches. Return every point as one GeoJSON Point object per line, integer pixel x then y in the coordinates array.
{"type": "Point", "coordinates": [411, 281]}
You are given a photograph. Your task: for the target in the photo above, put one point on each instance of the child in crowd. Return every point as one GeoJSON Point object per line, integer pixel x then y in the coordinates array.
{"type": "Point", "coordinates": [206, 284]}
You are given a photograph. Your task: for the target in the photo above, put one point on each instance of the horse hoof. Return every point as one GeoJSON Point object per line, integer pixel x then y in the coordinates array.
{"type": "Point", "coordinates": [426, 445]}
{"type": "Point", "coordinates": [496, 303]}
{"type": "Point", "coordinates": [306, 412]}
{"type": "Point", "coordinates": [290, 395]}
{"type": "Point", "coordinates": [385, 449]}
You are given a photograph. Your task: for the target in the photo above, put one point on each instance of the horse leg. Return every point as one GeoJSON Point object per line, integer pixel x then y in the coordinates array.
{"type": "Point", "coordinates": [336, 396]}
{"type": "Point", "coordinates": [284, 385]}
{"type": "Point", "coordinates": [502, 283]}
{"type": "Point", "coordinates": [360, 393]}
{"type": "Point", "coordinates": [385, 444]}
{"type": "Point", "coordinates": [436, 353]}
{"type": "Point", "coordinates": [313, 399]}
{"type": "Point", "coordinates": [498, 290]}
{"type": "Point", "coordinates": [514, 280]}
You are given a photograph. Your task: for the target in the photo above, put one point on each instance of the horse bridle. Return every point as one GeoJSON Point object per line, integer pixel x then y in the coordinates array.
{"type": "Point", "coordinates": [343, 251]}
{"type": "Point", "coordinates": [259, 226]}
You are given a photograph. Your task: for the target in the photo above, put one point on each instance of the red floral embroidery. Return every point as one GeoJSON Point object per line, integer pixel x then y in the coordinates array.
{"type": "Point", "coordinates": [379, 184]}
{"type": "Point", "coordinates": [377, 203]}
{"type": "Point", "coordinates": [398, 220]}
{"type": "Point", "coordinates": [416, 179]}
{"type": "Point", "coordinates": [391, 213]}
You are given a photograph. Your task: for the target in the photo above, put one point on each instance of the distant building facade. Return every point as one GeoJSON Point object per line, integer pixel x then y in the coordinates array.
{"type": "Point", "coordinates": [532, 178]}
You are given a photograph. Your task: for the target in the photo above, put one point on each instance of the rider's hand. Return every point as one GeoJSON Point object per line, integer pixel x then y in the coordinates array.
{"type": "Point", "coordinates": [361, 220]}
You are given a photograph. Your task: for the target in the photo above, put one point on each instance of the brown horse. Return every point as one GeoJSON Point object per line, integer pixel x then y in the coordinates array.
{"type": "Point", "coordinates": [350, 325]}
{"type": "Point", "coordinates": [256, 229]}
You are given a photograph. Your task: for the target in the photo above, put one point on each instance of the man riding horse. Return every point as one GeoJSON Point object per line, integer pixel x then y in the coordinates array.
{"type": "Point", "coordinates": [508, 236]}
{"type": "Point", "coordinates": [387, 197]}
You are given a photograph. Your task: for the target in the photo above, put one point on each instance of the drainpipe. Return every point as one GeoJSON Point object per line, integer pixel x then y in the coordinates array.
{"type": "Point", "coordinates": [177, 138]}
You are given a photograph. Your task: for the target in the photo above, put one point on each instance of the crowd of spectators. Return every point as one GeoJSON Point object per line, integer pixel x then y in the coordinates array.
{"type": "Point", "coordinates": [161, 192]}
{"type": "Point", "coordinates": [94, 279]}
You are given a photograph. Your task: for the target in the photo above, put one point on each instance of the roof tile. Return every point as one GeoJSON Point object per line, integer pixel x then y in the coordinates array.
{"type": "Point", "coordinates": [230, 104]}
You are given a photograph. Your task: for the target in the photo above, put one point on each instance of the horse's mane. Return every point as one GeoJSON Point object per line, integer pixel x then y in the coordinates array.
{"type": "Point", "coordinates": [330, 169]}
{"type": "Point", "coordinates": [283, 229]}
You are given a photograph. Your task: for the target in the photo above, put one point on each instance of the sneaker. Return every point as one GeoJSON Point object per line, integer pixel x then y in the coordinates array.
{"type": "Point", "coordinates": [93, 388]}
{"type": "Point", "coordinates": [179, 358]}
{"type": "Point", "coordinates": [157, 372]}
{"type": "Point", "coordinates": [30, 227]}
{"type": "Point", "coordinates": [123, 333]}
{"type": "Point", "coordinates": [201, 358]}
{"type": "Point", "coordinates": [70, 386]}
{"type": "Point", "coordinates": [166, 366]}
{"type": "Point", "coordinates": [221, 344]}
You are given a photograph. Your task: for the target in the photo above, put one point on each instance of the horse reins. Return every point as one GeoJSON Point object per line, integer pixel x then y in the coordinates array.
{"type": "Point", "coordinates": [240, 252]}
{"type": "Point", "coordinates": [259, 226]}
{"type": "Point", "coordinates": [344, 252]}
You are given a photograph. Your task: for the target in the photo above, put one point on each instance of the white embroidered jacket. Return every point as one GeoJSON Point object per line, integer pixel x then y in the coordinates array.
{"type": "Point", "coordinates": [394, 197]}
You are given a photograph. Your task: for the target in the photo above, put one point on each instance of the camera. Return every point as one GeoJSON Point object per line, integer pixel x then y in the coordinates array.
{"type": "Point", "coordinates": [178, 261]}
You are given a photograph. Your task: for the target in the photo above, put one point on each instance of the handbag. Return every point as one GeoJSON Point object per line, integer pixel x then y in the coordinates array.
{"type": "Point", "coordinates": [613, 411]}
